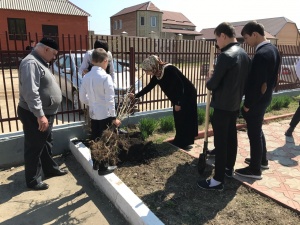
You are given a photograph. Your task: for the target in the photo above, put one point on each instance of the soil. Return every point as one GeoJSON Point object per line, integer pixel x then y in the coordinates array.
{"type": "Point", "coordinates": [165, 179]}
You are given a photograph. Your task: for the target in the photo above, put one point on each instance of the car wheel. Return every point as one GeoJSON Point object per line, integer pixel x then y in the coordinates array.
{"type": "Point", "coordinates": [75, 99]}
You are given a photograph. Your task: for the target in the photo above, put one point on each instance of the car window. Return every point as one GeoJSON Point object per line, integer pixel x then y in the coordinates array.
{"type": "Point", "coordinates": [117, 67]}
{"type": "Point", "coordinates": [61, 62]}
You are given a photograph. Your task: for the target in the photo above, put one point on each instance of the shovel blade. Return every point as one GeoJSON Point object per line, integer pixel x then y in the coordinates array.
{"type": "Point", "coordinates": [201, 163]}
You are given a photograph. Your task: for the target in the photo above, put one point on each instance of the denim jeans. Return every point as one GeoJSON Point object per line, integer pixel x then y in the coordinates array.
{"type": "Point", "coordinates": [254, 119]}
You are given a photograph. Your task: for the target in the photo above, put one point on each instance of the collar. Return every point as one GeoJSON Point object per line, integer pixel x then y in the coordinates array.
{"type": "Point", "coordinates": [39, 58]}
{"type": "Point", "coordinates": [229, 46]}
{"type": "Point", "coordinates": [261, 44]}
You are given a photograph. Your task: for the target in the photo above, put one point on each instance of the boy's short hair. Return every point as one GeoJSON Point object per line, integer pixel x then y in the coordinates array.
{"type": "Point", "coordinates": [99, 55]}
{"type": "Point", "coordinates": [251, 27]}
{"type": "Point", "coordinates": [225, 28]}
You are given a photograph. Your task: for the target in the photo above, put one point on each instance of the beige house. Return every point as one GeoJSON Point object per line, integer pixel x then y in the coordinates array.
{"type": "Point", "coordinates": [146, 20]}
{"type": "Point", "coordinates": [279, 30]}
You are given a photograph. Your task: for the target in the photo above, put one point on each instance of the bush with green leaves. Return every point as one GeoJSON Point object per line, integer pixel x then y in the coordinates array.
{"type": "Point", "coordinates": [167, 124]}
{"type": "Point", "coordinates": [147, 126]}
{"type": "Point", "coordinates": [201, 116]}
{"type": "Point", "coordinates": [279, 102]}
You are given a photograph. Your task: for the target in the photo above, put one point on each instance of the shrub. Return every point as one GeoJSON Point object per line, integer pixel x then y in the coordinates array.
{"type": "Point", "coordinates": [201, 116]}
{"type": "Point", "coordinates": [279, 102]}
{"type": "Point", "coordinates": [167, 124]}
{"type": "Point", "coordinates": [147, 126]}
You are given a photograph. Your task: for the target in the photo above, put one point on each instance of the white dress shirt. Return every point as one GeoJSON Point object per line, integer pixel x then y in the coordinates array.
{"type": "Point", "coordinates": [97, 91]}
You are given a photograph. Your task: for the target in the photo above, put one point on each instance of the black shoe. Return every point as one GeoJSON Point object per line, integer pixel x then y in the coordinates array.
{"type": "Point", "coordinates": [211, 152]}
{"type": "Point", "coordinates": [264, 165]}
{"type": "Point", "coordinates": [40, 186]}
{"type": "Point", "coordinates": [204, 184]}
{"type": "Point", "coordinates": [228, 173]}
{"type": "Point", "coordinates": [57, 173]}
{"type": "Point", "coordinates": [106, 170]}
{"type": "Point", "coordinates": [289, 132]}
{"type": "Point", "coordinates": [189, 147]}
{"type": "Point", "coordinates": [247, 172]}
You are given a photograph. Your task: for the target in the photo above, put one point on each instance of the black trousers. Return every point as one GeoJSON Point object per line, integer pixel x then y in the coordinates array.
{"type": "Point", "coordinates": [98, 126]}
{"type": "Point", "coordinates": [37, 148]}
{"type": "Point", "coordinates": [296, 118]}
{"type": "Point", "coordinates": [254, 119]}
{"type": "Point", "coordinates": [225, 141]}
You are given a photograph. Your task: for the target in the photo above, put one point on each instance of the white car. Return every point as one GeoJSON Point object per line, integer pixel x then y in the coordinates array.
{"type": "Point", "coordinates": [65, 69]}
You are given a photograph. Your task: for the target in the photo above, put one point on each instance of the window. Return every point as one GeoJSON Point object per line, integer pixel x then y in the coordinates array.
{"type": "Point", "coordinates": [116, 25]}
{"type": "Point", "coordinates": [153, 21]}
{"type": "Point", "coordinates": [17, 29]}
{"type": "Point", "coordinates": [142, 21]}
{"type": "Point", "coordinates": [120, 24]}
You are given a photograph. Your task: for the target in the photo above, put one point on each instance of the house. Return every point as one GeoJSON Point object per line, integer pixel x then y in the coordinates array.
{"type": "Point", "coordinates": [146, 20]}
{"type": "Point", "coordinates": [25, 20]}
{"type": "Point", "coordinates": [282, 30]}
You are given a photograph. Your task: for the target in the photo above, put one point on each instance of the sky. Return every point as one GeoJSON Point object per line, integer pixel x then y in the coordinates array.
{"type": "Point", "coordinates": [202, 13]}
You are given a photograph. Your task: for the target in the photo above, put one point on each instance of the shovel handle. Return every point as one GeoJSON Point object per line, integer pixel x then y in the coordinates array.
{"type": "Point", "coordinates": [208, 96]}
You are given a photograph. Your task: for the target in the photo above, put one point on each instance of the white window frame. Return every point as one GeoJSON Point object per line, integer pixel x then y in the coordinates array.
{"type": "Point", "coordinates": [153, 21]}
{"type": "Point", "coordinates": [116, 25]}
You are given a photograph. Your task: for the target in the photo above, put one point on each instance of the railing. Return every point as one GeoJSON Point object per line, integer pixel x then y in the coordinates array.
{"type": "Point", "coordinates": [190, 56]}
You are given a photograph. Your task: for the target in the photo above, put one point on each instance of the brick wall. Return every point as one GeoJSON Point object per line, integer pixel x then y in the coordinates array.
{"type": "Point", "coordinates": [128, 24]}
{"type": "Point", "coordinates": [67, 25]}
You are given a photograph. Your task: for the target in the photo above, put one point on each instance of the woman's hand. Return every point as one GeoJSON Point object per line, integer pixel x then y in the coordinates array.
{"type": "Point", "coordinates": [131, 95]}
{"type": "Point", "coordinates": [177, 108]}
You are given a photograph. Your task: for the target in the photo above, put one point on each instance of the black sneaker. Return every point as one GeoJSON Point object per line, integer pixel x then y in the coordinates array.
{"type": "Point", "coordinates": [246, 172]}
{"type": "Point", "coordinates": [204, 184]}
{"type": "Point", "coordinates": [228, 173]}
{"type": "Point", "coordinates": [264, 165]}
{"type": "Point", "coordinates": [107, 170]}
{"type": "Point", "coordinates": [211, 152]}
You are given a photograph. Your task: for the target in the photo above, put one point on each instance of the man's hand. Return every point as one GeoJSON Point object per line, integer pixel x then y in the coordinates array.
{"type": "Point", "coordinates": [177, 108]}
{"type": "Point", "coordinates": [117, 122]}
{"type": "Point", "coordinates": [84, 72]}
{"type": "Point", "coordinates": [245, 109]}
{"type": "Point", "coordinates": [43, 123]}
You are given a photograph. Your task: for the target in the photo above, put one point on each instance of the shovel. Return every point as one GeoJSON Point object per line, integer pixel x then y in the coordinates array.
{"type": "Point", "coordinates": [203, 155]}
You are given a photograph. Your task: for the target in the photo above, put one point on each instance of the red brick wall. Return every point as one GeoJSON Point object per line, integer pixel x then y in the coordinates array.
{"type": "Point", "coordinates": [67, 25]}
{"type": "Point", "coordinates": [128, 24]}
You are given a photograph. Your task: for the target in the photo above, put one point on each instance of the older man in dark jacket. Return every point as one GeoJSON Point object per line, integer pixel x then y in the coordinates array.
{"type": "Point", "coordinates": [227, 85]}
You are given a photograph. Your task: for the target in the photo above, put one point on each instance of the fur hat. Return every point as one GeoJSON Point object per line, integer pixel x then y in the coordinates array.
{"type": "Point", "coordinates": [49, 42]}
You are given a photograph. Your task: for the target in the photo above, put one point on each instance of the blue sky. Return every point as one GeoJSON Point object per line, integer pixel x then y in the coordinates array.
{"type": "Point", "coordinates": [203, 13]}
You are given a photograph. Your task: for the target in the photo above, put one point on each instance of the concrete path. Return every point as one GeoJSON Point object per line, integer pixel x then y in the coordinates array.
{"type": "Point", "coordinates": [70, 199]}
{"type": "Point", "coordinates": [282, 181]}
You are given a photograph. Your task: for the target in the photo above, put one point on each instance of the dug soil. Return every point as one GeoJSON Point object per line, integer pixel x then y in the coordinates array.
{"type": "Point", "coordinates": [165, 179]}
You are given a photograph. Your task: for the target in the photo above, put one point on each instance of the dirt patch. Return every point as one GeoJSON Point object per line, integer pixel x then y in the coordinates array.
{"type": "Point", "coordinates": [167, 185]}
{"type": "Point", "coordinates": [165, 179]}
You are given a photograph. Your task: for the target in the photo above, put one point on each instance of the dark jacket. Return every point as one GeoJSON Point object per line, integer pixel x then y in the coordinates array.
{"type": "Point", "coordinates": [228, 80]}
{"type": "Point", "coordinates": [264, 69]}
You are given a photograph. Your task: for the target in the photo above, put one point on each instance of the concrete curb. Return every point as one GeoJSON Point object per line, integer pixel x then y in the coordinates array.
{"type": "Point", "coordinates": [130, 206]}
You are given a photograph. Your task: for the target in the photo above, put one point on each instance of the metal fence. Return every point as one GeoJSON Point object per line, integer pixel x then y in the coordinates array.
{"type": "Point", "coordinates": [191, 56]}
